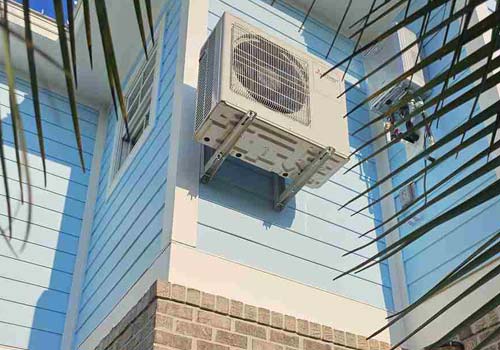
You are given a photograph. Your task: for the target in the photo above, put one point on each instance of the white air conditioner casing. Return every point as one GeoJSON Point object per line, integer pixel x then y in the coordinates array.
{"type": "Point", "coordinates": [244, 69]}
{"type": "Point", "coordinates": [384, 51]}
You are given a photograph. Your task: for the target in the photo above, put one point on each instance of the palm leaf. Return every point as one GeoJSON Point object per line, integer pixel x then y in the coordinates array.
{"type": "Point", "coordinates": [476, 30]}
{"type": "Point", "coordinates": [72, 43]}
{"type": "Point", "coordinates": [379, 17]}
{"type": "Point", "coordinates": [456, 187]}
{"type": "Point", "coordinates": [479, 198]}
{"type": "Point", "coordinates": [149, 12]}
{"type": "Point", "coordinates": [34, 84]}
{"type": "Point", "coordinates": [461, 66]}
{"type": "Point", "coordinates": [18, 130]}
{"type": "Point", "coordinates": [14, 110]}
{"type": "Point", "coordinates": [110, 59]}
{"type": "Point", "coordinates": [448, 108]}
{"type": "Point", "coordinates": [138, 15]}
{"type": "Point", "coordinates": [447, 178]}
{"type": "Point", "coordinates": [58, 8]}
{"type": "Point", "coordinates": [360, 36]}
{"type": "Point", "coordinates": [476, 259]}
{"type": "Point", "coordinates": [469, 125]}
{"type": "Point", "coordinates": [88, 30]}
{"type": "Point", "coordinates": [339, 28]}
{"type": "Point", "coordinates": [408, 20]}
{"type": "Point", "coordinates": [483, 310]}
{"type": "Point", "coordinates": [482, 281]}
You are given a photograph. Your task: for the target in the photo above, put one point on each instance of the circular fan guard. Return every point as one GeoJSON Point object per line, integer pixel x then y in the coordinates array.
{"type": "Point", "coordinates": [270, 74]}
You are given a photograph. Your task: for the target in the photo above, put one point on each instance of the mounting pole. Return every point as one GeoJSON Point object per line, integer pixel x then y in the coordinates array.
{"type": "Point", "coordinates": [221, 153]}
{"type": "Point", "coordinates": [283, 197]}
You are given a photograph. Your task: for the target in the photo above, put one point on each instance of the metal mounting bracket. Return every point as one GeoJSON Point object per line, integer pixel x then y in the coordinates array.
{"type": "Point", "coordinates": [224, 149]}
{"type": "Point", "coordinates": [282, 194]}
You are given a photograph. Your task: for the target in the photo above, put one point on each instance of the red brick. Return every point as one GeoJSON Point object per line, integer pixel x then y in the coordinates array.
{"type": "Point", "coordinates": [174, 309]}
{"type": "Point", "coordinates": [172, 340]}
{"type": "Point", "coordinates": [250, 329]}
{"type": "Point", "coordinates": [214, 320]}
{"type": "Point", "coordinates": [290, 323]}
{"type": "Point", "coordinates": [373, 344]}
{"type": "Point", "coordinates": [350, 340]}
{"type": "Point", "coordinates": [316, 345]}
{"type": "Point", "coordinates": [193, 330]}
{"type": "Point", "coordinates": [264, 316]}
{"type": "Point", "coordinates": [222, 305]}
{"type": "Point", "coordinates": [327, 333]}
{"type": "Point", "coordinates": [204, 345]}
{"type": "Point", "coordinates": [231, 339]}
{"type": "Point", "coordinates": [276, 319]}
{"type": "Point", "coordinates": [284, 338]}
{"type": "Point", "coordinates": [193, 297]}
{"type": "Point", "coordinates": [236, 309]}
{"type": "Point", "coordinates": [315, 330]}
{"type": "Point", "coordinates": [362, 343]}
{"type": "Point", "coordinates": [178, 293]}
{"type": "Point", "coordinates": [339, 336]}
{"type": "Point", "coordinates": [264, 345]}
{"type": "Point", "coordinates": [303, 327]}
{"type": "Point", "coordinates": [164, 322]}
{"type": "Point", "coordinates": [250, 312]}
{"type": "Point", "coordinates": [208, 301]}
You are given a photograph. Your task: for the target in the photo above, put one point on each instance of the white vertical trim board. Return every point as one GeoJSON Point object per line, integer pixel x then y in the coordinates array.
{"type": "Point", "coordinates": [396, 264]}
{"type": "Point", "coordinates": [181, 200]}
{"type": "Point", "coordinates": [84, 240]}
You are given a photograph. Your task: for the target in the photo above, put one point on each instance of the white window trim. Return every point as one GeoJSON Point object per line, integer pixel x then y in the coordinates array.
{"type": "Point", "coordinates": [114, 177]}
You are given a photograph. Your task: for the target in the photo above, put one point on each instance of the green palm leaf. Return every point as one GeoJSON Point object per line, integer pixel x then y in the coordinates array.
{"type": "Point", "coordinates": [58, 8]}
{"type": "Point", "coordinates": [34, 84]}
{"type": "Point", "coordinates": [110, 59]}
{"type": "Point", "coordinates": [88, 30]}
{"type": "Point", "coordinates": [138, 15]}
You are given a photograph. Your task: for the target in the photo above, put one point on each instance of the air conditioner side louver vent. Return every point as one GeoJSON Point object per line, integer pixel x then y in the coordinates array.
{"type": "Point", "coordinates": [270, 75]}
{"type": "Point", "coordinates": [206, 81]}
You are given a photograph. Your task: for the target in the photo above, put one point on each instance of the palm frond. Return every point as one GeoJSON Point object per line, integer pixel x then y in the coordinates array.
{"type": "Point", "coordinates": [110, 59]}
{"type": "Point", "coordinates": [30, 52]}
{"type": "Point", "coordinates": [58, 8]}
{"type": "Point", "coordinates": [19, 136]}
{"type": "Point", "coordinates": [140, 23]}
{"type": "Point", "coordinates": [149, 13]}
{"type": "Point", "coordinates": [482, 281]}
{"type": "Point", "coordinates": [72, 43]}
{"type": "Point", "coordinates": [476, 315]}
{"type": "Point", "coordinates": [476, 259]}
{"type": "Point", "coordinates": [88, 29]}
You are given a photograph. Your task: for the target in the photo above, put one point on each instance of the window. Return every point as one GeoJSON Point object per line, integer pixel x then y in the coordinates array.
{"type": "Point", "coordinates": [138, 104]}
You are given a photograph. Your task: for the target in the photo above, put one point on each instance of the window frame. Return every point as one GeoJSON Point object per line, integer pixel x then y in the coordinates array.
{"type": "Point", "coordinates": [115, 173]}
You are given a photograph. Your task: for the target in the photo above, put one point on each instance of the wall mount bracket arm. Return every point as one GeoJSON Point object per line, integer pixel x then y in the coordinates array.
{"type": "Point", "coordinates": [224, 149]}
{"type": "Point", "coordinates": [282, 194]}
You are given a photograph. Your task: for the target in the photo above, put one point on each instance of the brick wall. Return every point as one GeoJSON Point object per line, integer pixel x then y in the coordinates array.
{"type": "Point", "coordinates": [479, 330]}
{"type": "Point", "coordinates": [176, 317]}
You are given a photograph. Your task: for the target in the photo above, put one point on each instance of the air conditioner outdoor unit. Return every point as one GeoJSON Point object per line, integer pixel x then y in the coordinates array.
{"type": "Point", "coordinates": [381, 53]}
{"type": "Point", "coordinates": [297, 115]}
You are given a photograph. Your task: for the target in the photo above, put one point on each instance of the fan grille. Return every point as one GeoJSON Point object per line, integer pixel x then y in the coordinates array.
{"type": "Point", "coordinates": [270, 74]}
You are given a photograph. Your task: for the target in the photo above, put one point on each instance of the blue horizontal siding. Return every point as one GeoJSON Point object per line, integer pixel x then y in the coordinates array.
{"type": "Point", "coordinates": [36, 282]}
{"type": "Point", "coordinates": [306, 241]}
{"type": "Point", "coordinates": [127, 224]}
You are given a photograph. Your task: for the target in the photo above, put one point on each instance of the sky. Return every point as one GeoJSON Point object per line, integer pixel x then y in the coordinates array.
{"type": "Point", "coordinates": [44, 6]}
